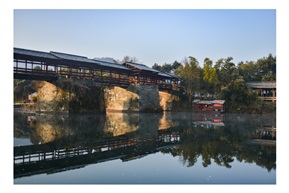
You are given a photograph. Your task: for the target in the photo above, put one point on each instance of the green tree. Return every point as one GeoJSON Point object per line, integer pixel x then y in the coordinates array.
{"type": "Point", "coordinates": [226, 71]}
{"type": "Point", "coordinates": [190, 74]}
{"type": "Point", "coordinates": [166, 68]}
{"type": "Point", "coordinates": [262, 70]}
{"type": "Point", "coordinates": [267, 68]}
{"type": "Point", "coordinates": [176, 64]}
{"type": "Point", "coordinates": [156, 67]}
{"type": "Point", "coordinates": [229, 72]}
{"type": "Point", "coordinates": [129, 59]}
{"type": "Point", "coordinates": [236, 93]}
{"type": "Point", "coordinates": [21, 89]}
{"type": "Point", "coordinates": [37, 68]}
{"type": "Point", "coordinates": [210, 77]}
{"type": "Point", "coordinates": [249, 71]}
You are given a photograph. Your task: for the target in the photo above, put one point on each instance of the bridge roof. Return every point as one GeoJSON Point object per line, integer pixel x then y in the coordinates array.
{"type": "Point", "coordinates": [164, 74]}
{"type": "Point", "coordinates": [32, 54]}
{"type": "Point", "coordinates": [82, 61]}
{"type": "Point", "coordinates": [168, 75]}
{"type": "Point", "coordinates": [110, 64]}
{"type": "Point", "coordinates": [79, 61]}
{"type": "Point", "coordinates": [70, 57]}
{"type": "Point", "coordinates": [141, 67]}
{"type": "Point", "coordinates": [173, 75]}
{"type": "Point", "coordinates": [92, 62]}
{"type": "Point", "coordinates": [67, 59]}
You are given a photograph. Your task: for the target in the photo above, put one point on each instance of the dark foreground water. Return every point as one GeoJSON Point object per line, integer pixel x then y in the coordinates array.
{"type": "Point", "coordinates": [169, 148]}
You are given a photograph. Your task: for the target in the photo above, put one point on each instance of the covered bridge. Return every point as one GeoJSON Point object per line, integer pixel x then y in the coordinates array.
{"type": "Point", "coordinates": [38, 65]}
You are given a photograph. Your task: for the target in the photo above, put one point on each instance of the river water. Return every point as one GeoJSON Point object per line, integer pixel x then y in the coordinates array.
{"type": "Point", "coordinates": [144, 148]}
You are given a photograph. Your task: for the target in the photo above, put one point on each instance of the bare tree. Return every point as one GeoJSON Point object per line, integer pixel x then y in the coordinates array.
{"type": "Point", "coordinates": [129, 59]}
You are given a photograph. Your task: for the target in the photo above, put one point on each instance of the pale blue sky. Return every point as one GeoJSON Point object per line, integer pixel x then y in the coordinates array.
{"type": "Point", "coordinates": [244, 35]}
{"type": "Point", "coordinates": [152, 36]}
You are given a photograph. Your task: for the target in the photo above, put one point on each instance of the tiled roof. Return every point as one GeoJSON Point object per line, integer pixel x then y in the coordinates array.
{"type": "Point", "coordinates": [70, 57]}
{"type": "Point", "coordinates": [109, 64]}
{"type": "Point", "coordinates": [173, 75]}
{"type": "Point", "coordinates": [146, 68]}
{"type": "Point", "coordinates": [33, 53]}
{"type": "Point", "coordinates": [261, 84]}
{"type": "Point", "coordinates": [164, 74]}
{"type": "Point", "coordinates": [142, 67]}
{"type": "Point", "coordinates": [197, 101]}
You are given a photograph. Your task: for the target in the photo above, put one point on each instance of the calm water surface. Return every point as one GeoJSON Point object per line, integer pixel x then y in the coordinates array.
{"type": "Point", "coordinates": [144, 148]}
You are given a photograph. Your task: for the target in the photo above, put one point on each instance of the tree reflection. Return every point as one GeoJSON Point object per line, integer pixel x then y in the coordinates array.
{"type": "Point", "coordinates": [227, 143]}
{"type": "Point", "coordinates": [199, 136]}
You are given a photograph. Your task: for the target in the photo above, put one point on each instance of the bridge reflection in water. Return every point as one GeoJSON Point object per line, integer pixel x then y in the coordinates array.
{"type": "Point", "coordinates": [65, 142]}
{"type": "Point", "coordinates": [47, 158]}
{"type": "Point", "coordinates": [63, 154]}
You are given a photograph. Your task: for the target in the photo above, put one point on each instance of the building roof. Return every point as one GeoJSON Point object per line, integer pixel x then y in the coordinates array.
{"type": "Point", "coordinates": [198, 101]}
{"type": "Point", "coordinates": [209, 123]}
{"type": "Point", "coordinates": [218, 101]}
{"type": "Point", "coordinates": [261, 84]}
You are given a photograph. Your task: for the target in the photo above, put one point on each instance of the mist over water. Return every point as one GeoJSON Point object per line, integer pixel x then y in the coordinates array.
{"type": "Point", "coordinates": [144, 148]}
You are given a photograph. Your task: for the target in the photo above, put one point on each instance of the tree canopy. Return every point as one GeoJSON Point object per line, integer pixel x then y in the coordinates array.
{"type": "Point", "coordinates": [222, 79]}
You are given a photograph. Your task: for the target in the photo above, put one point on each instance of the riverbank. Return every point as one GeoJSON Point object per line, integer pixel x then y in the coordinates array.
{"type": "Point", "coordinates": [258, 107]}
{"type": "Point", "coordinates": [24, 107]}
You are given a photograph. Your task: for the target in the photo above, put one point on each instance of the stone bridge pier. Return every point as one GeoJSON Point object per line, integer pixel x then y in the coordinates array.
{"type": "Point", "coordinates": [69, 95]}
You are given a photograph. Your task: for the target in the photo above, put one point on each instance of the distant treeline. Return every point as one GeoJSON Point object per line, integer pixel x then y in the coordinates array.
{"type": "Point", "coordinates": [224, 80]}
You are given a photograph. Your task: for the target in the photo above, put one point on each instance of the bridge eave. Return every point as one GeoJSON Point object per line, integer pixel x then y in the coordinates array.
{"type": "Point", "coordinates": [34, 77]}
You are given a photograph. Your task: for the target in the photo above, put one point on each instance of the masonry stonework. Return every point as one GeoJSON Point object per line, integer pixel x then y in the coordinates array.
{"type": "Point", "coordinates": [168, 102]}
{"type": "Point", "coordinates": [68, 95]}
{"type": "Point", "coordinates": [121, 99]}
{"type": "Point", "coordinates": [143, 98]}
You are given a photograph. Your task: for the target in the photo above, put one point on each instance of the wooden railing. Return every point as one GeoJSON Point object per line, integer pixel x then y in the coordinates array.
{"type": "Point", "coordinates": [273, 99]}
{"type": "Point", "coordinates": [34, 70]}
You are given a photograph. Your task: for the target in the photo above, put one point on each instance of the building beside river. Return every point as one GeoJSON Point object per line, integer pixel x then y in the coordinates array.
{"type": "Point", "coordinates": [206, 105]}
{"type": "Point", "coordinates": [265, 90]}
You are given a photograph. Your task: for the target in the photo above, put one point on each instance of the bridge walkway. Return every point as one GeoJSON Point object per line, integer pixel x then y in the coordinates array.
{"type": "Point", "coordinates": [37, 65]}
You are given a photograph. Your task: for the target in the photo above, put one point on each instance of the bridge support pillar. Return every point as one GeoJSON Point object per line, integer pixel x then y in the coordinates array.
{"type": "Point", "coordinates": [67, 95]}
{"type": "Point", "coordinates": [143, 98]}
{"type": "Point", "coordinates": [168, 101]}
